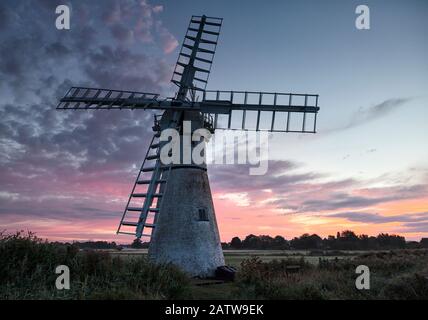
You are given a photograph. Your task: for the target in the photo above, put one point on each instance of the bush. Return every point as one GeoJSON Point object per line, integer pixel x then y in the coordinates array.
{"type": "Point", "coordinates": [393, 275]}
{"type": "Point", "coordinates": [27, 271]}
{"type": "Point", "coordinates": [414, 287]}
{"type": "Point", "coordinates": [273, 280]}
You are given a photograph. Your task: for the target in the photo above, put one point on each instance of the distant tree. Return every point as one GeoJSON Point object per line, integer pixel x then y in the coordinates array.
{"type": "Point", "coordinates": [259, 242]}
{"type": "Point", "coordinates": [364, 242]}
{"type": "Point", "coordinates": [280, 243]}
{"type": "Point", "coordinates": [307, 241]}
{"type": "Point", "coordinates": [424, 242]}
{"type": "Point", "coordinates": [265, 242]}
{"type": "Point", "coordinates": [413, 245]}
{"type": "Point", "coordinates": [329, 242]}
{"type": "Point", "coordinates": [349, 235]}
{"type": "Point", "coordinates": [348, 240]}
{"type": "Point", "coordinates": [137, 244]}
{"type": "Point", "coordinates": [236, 243]}
{"type": "Point", "coordinates": [225, 245]}
{"type": "Point", "coordinates": [345, 240]}
{"type": "Point", "coordinates": [391, 241]}
{"type": "Point", "coordinates": [95, 245]}
{"type": "Point", "coordinates": [373, 245]}
{"type": "Point", "coordinates": [251, 242]}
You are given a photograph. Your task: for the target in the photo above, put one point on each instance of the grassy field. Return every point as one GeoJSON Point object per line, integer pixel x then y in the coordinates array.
{"type": "Point", "coordinates": [396, 274]}
{"type": "Point", "coordinates": [27, 267]}
{"type": "Point", "coordinates": [235, 257]}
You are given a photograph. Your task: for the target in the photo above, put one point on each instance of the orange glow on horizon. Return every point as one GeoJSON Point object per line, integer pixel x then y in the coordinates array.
{"type": "Point", "coordinates": [233, 220]}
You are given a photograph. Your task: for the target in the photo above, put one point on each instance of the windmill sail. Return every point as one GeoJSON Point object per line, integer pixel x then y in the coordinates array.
{"type": "Point", "coordinates": [82, 98]}
{"type": "Point", "coordinates": [261, 111]}
{"type": "Point", "coordinates": [196, 56]}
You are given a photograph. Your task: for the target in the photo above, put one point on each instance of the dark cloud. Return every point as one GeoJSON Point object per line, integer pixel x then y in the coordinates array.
{"type": "Point", "coordinates": [414, 227]}
{"type": "Point", "coordinates": [3, 18]}
{"type": "Point", "coordinates": [121, 33]}
{"type": "Point", "coordinates": [288, 189]}
{"type": "Point", "coordinates": [278, 176]}
{"type": "Point", "coordinates": [123, 69]}
{"type": "Point", "coordinates": [57, 49]}
{"type": "Point", "coordinates": [384, 108]}
{"type": "Point", "coordinates": [336, 199]}
{"type": "Point", "coordinates": [366, 217]}
{"type": "Point", "coordinates": [305, 192]}
{"type": "Point", "coordinates": [410, 222]}
{"type": "Point", "coordinates": [340, 200]}
{"type": "Point", "coordinates": [364, 115]}
{"type": "Point", "coordinates": [50, 161]}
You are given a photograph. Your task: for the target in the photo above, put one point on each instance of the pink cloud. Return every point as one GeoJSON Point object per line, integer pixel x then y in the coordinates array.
{"type": "Point", "coordinates": [141, 24]}
{"type": "Point", "coordinates": [169, 44]}
{"type": "Point", "coordinates": [168, 41]}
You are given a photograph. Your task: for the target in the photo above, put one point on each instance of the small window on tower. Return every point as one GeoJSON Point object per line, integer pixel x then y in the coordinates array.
{"type": "Point", "coordinates": [203, 215]}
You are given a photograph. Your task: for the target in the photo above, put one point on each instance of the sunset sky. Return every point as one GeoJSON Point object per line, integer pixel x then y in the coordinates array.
{"type": "Point", "coordinates": [66, 175]}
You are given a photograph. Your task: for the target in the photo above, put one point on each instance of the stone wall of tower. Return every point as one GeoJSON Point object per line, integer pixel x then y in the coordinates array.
{"type": "Point", "coordinates": [186, 232]}
{"type": "Point", "coordinates": [184, 235]}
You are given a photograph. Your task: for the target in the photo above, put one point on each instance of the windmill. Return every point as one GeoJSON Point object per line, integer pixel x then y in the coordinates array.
{"type": "Point", "coordinates": [172, 204]}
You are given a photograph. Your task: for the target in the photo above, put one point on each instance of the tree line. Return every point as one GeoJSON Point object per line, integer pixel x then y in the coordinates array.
{"type": "Point", "coordinates": [345, 240]}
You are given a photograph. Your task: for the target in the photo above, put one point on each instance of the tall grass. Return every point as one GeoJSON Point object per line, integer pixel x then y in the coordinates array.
{"type": "Point", "coordinates": [27, 271]}
{"type": "Point", "coordinates": [394, 275]}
